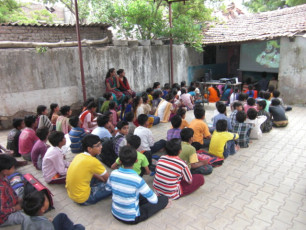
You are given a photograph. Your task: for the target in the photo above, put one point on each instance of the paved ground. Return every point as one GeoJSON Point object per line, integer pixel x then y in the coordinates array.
{"type": "Point", "coordinates": [261, 187]}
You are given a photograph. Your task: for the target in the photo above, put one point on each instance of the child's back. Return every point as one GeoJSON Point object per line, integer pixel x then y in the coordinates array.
{"type": "Point", "coordinates": [256, 121]}
{"type": "Point", "coordinates": [243, 129]}
{"type": "Point", "coordinates": [218, 142]}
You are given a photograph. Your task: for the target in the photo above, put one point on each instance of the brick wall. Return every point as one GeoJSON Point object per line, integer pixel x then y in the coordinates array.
{"type": "Point", "coordinates": [50, 34]}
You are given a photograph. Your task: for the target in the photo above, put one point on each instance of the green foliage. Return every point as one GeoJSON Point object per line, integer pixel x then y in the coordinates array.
{"type": "Point", "coordinates": [268, 5]}
{"type": "Point", "coordinates": [41, 49]}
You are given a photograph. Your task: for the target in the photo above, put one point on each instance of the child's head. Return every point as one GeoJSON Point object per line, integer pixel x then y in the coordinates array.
{"type": "Point", "coordinates": [129, 117]}
{"type": "Point", "coordinates": [199, 112]}
{"type": "Point", "coordinates": [88, 100]}
{"type": "Point", "coordinates": [42, 110]}
{"type": "Point", "coordinates": [191, 88]}
{"type": "Point", "coordinates": [241, 97]}
{"type": "Point", "coordinates": [54, 107]}
{"type": "Point", "coordinates": [240, 116]}
{"type": "Point", "coordinates": [275, 102]}
{"type": "Point", "coordinates": [271, 88]}
{"type": "Point", "coordinates": [187, 134]}
{"type": "Point", "coordinates": [30, 121]}
{"type": "Point", "coordinates": [42, 133]}
{"type": "Point", "coordinates": [221, 125]}
{"type": "Point", "coordinates": [74, 121]}
{"type": "Point", "coordinates": [137, 101]}
{"type": "Point", "coordinates": [156, 85]}
{"type": "Point", "coordinates": [261, 94]}
{"type": "Point", "coordinates": [92, 144]}
{"type": "Point", "coordinates": [221, 108]}
{"type": "Point", "coordinates": [237, 106]}
{"type": "Point", "coordinates": [173, 147]}
{"type": "Point", "coordinates": [133, 140]}
{"type": "Point", "coordinates": [183, 84]}
{"type": "Point", "coordinates": [252, 114]}
{"type": "Point", "coordinates": [123, 127]}
{"type": "Point", "coordinates": [65, 110]}
{"type": "Point", "coordinates": [35, 203]}
{"type": "Point", "coordinates": [145, 98]}
{"type": "Point", "coordinates": [251, 101]}
{"type": "Point", "coordinates": [57, 139]}
{"type": "Point", "coordinates": [181, 112]}
{"type": "Point", "coordinates": [183, 91]}
{"type": "Point", "coordinates": [112, 105]}
{"type": "Point", "coordinates": [261, 104]}
{"type": "Point", "coordinates": [245, 96]}
{"type": "Point", "coordinates": [149, 90]}
{"type": "Point", "coordinates": [176, 121]}
{"type": "Point", "coordinates": [108, 96]}
{"type": "Point", "coordinates": [169, 97]}
{"type": "Point", "coordinates": [276, 93]}
{"type": "Point", "coordinates": [102, 120]}
{"type": "Point", "coordinates": [7, 164]}
{"type": "Point", "coordinates": [267, 95]}
{"type": "Point", "coordinates": [120, 72]}
{"type": "Point", "coordinates": [250, 87]}
{"type": "Point", "coordinates": [92, 106]}
{"type": "Point", "coordinates": [156, 94]}
{"type": "Point", "coordinates": [127, 156]}
{"type": "Point", "coordinates": [166, 86]}
{"type": "Point", "coordinates": [143, 120]}
{"type": "Point", "coordinates": [18, 123]}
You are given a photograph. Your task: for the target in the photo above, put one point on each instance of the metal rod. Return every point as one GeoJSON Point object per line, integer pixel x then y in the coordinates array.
{"type": "Point", "coordinates": [80, 48]}
{"type": "Point", "coordinates": [171, 45]}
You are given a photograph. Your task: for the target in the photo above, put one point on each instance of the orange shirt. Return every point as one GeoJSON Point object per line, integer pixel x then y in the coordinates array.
{"type": "Point", "coordinates": [213, 95]}
{"type": "Point", "coordinates": [184, 124]}
{"type": "Point", "coordinates": [200, 129]}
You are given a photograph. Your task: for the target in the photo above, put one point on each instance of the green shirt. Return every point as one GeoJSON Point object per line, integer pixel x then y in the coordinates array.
{"type": "Point", "coordinates": [105, 106]}
{"type": "Point", "coordinates": [142, 161]}
{"type": "Point", "coordinates": [188, 154]}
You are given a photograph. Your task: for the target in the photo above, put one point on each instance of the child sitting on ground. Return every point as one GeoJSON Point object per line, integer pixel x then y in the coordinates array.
{"type": "Point", "coordinates": [62, 122]}
{"type": "Point", "coordinates": [86, 176]}
{"type": "Point", "coordinates": [175, 132]}
{"type": "Point", "coordinates": [276, 95]}
{"type": "Point", "coordinates": [53, 115]}
{"type": "Point", "coordinates": [76, 134]}
{"type": "Point", "coordinates": [267, 125]}
{"type": "Point", "coordinates": [125, 107]}
{"type": "Point", "coordinates": [149, 91]}
{"type": "Point", "coordinates": [148, 110]}
{"type": "Point", "coordinates": [42, 118]}
{"type": "Point", "coordinates": [10, 213]}
{"type": "Point", "coordinates": [142, 163]}
{"type": "Point", "coordinates": [267, 96]}
{"type": "Point", "coordinates": [87, 117]}
{"type": "Point", "coordinates": [250, 92]}
{"type": "Point", "coordinates": [243, 129]}
{"type": "Point", "coordinates": [251, 103]}
{"type": "Point", "coordinates": [186, 99]}
{"type": "Point", "coordinates": [35, 204]}
{"type": "Point", "coordinates": [165, 109]}
{"type": "Point", "coordinates": [13, 136]}
{"type": "Point", "coordinates": [101, 131]}
{"type": "Point", "coordinates": [109, 126]}
{"type": "Point", "coordinates": [221, 116]}
{"type": "Point", "coordinates": [142, 203]}
{"type": "Point", "coordinates": [222, 142]}
{"type": "Point", "coordinates": [156, 99]}
{"type": "Point", "coordinates": [257, 121]}
{"type": "Point", "coordinates": [129, 117]}
{"type": "Point", "coordinates": [278, 115]}
{"type": "Point", "coordinates": [54, 167]}
{"type": "Point", "coordinates": [237, 106]}
{"type": "Point", "coordinates": [40, 147]}
{"type": "Point", "coordinates": [173, 177]}
{"type": "Point", "coordinates": [182, 113]}
{"type": "Point", "coordinates": [189, 154]}
{"type": "Point", "coordinates": [120, 140]}
{"type": "Point", "coordinates": [108, 97]}
{"type": "Point", "coordinates": [112, 109]}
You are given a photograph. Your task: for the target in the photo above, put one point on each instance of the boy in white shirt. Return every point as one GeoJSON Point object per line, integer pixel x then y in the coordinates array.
{"type": "Point", "coordinates": [256, 132]}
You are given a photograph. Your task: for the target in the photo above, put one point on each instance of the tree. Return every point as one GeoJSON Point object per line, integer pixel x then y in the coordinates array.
{"type": "Point", "coordinates": [268, 5]}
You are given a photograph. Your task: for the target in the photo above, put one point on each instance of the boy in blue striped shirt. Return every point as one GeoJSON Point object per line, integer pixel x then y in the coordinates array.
{"type": "Point", "coordinates": [76, 135]}
{"type": "Point", "coordinates": [133, 200]}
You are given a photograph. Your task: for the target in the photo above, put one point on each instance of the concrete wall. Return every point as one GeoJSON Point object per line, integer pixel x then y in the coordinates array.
{"type": "Point", "coordinates": [292, 71]}
{"type": "Point", "coordinates": [29, 78]}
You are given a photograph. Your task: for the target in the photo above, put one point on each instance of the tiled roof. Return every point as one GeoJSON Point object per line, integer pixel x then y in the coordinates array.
{"type": "Point", "coordinates": [57, 25]}
{"type": "Point", "coordinates": [261, 26]}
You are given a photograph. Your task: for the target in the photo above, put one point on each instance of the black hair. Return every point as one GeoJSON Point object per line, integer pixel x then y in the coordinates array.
{"type": "Point", "coordinates": [221, 108]}
{"type": "Point", "coordinates": [174, 92]}
{"type": "Point", "coordinates": [262, 103]}
{"type": "Point", "coordinates": [276, 93]}
{"type": "Point", "coordinates": [142, 119]}
{"type": "Point", "coordinates": [181, 112]}
{"type": "Point", "coordinates": [192, 83]}
{"type": "Point", "coordinates": [183, 83]}
{"type": "Point", "coordinates": [29, 120]}
{"type": "Point", "coordinates": [156, 94]}
{"type": "Point", "coordinates": [173, 147]}
{"type": "Point", "coordinates": [183, 91]}
{"type": "Point", "coordinates": [236, 104]}
{"type": "Point", "coordinates": [241, 97]}
{"type": "Point", "coordinates": [186, 134]}
{"type": "Point", "coordinates": [251, 101]}
{"type": "Point", "coordinates": [129, 116]}
{"type": "Point", "coordinates": [136, 102]}
{"type": "Point", "coordinates": [53, 106]}
{"type": "Point", "coordinates": [124, 103]}
{"type": "Point", "coordinates": [176, 121]}
{"type": "Point", "coordinates": [149, 90]}
{"type": "Point", "coordinates": [7, 162]}
{"type": "Point", "coordinates": [89, 141]}
{"type": "Point", "coordinates": [252, 113]}
{"type": "Point", "coordinates": [240, 116]}
{"type": "Point", "coordinates": [133, 140]}
{"type": "Point", "coordinates": [145, 98]}
{"type": "Point", "coordinates": [86, 103]}
{"type": "Point", "coordinates": [267, 95]}
{"type": "Point", "coordinates": [40, 109]}
{"type": "Point", "coordinates": [261, 93]}
{"type": "Point", "coordinates": [56, 137]}
{"type": "Point", "coordinates": [191, 89]}
{"type": "Point", "coordinates": [216, 88]}
{"type": "Point", "coordinates": [120, 71]}
{"type": "Point", "coordinates": [169, 97]}
{"type": "Point", "coordinates": [107, 95]}
{"type": "Point", "coordinates": [199, 112]}
{"type": "Point", "coordinates": [17, 122]}
{"type": "Point", "coordinates": [33, 202]}
{"type": "Point", "coordinates": [121, 124]}
{"type": "Point", "coordinates": [221, 125]}
{"type": "Point", "coordinates": [64, 110]}
{"type": "Point", "coordinates": [42, 133]}
{"type": "Point", "coordinates": [74, 121]}
{"type": "Point", "coordinates": [271, 88]}
{"type": "Point", "coordinates": [275, 102]}
{"type": "Point", "coordinates": [127, 156]}
{"type": "Point", "coordinates": [156, 84]}
{"type": "Point", "coordinates": [245, 96]}
{"type": "Point", "coordinates": [250, 87]}
{"type": "Point", "coordinates": [166, 86]}
{"type": "Point", "coordinates": [92, 105]}
{"type": "Point", "coordinates": [176, 86]}
{"type": "Point", "coordinates": [108, 74]}
{"type": "Point", "coordinates": [112, 105]}
{"type": "Point", "coordinates": [102, 120]}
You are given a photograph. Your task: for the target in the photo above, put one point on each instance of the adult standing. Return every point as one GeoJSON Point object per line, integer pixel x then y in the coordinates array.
{"type": "Point", "coordinates": [124, 84]}
{"type": "Point", "coordinates": [112, 84]}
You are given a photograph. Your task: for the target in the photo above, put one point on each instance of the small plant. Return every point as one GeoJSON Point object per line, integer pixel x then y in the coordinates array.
{"type": "Point", "coordinates": [41, 49]}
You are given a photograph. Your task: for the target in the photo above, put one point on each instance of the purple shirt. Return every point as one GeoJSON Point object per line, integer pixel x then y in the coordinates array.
{"type": "Point", "coordinates": [38, 152]}
{"type": "Point", "coordinates": [173, 133]}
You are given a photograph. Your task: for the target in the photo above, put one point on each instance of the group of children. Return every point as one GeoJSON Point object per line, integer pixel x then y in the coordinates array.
{"type": "Point", "coordinates": [177, 173]}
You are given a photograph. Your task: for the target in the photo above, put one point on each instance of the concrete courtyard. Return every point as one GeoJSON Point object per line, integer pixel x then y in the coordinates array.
{"type": "Point", "coordinates": [261, 187]}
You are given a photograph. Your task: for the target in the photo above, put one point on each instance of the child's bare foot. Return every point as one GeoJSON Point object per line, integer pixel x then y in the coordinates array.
{"type": "Point", "coordinates": [169, 205]}
{"type": "Point", "coordinates": [250, 141]}
{"type": "Point", "coordinates": [237, 148]}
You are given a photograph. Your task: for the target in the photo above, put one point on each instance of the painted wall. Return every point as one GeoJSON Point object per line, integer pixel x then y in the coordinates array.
{"type": "Point", "coordinates": [292, 71]}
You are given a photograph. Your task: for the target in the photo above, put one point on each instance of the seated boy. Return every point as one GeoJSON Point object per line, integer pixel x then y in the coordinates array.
{"type": "Point", "coordinates": [267, 125]}
{"type": "Point", "coordinates": [278, 115]}
{"type": "Point", "coordinates": [251, 103]}
{"type": "Point", "coordinates": [189, 154]}
{"type": "Point", "coordinates": [222, 142]}
{"type": "Point", "coordinates": [267, 97]}
{"type": "Point", "coordinates": [129, 117]}
{"type": "Point", "coordinates": [35, 204]}
{"type": "Point", "coordinates": [9, 205]}
{"type": "Point", "coordinates": [222, 116]}
{"type": "Point", "coordinates": [40, 147]}
{"type": "Point", "coordinates": [237, 106]}
{"type": "Point", "coordinates": [101, 131]}
{"type": "Point", "coordinates": [142, 163]}
{"type": "Point", "coordinates": [176, 122]}
{"type": "Point", "coordinates": [201, 135]}
{"type": "Point", "coordinates": [243, 129]}
{"type": "Point", "coordinates": [62, 122]}
{"type": "Point", "coordinates": [120, 140]}
{"type": "Point", "coordinates": [142, 203]}
{"type": "Point", "coordinates": [87, 117]}
{"type": "Point", "coordinates": [54, 167]}
{"type": "Point", "coordinates": [257, 121]}
{"type": "Point", "coordinates": [13, 136]}
{"type": "Point", "coordinates": [173, 177]}
{"type": "Point", "coordinates": [76, 134]}
{"type": "Point", "coordinates": [276, 95]}
{"type": "Point", "coordinates": [86, 176]}
{"type": "Point", "coordinates": [182, 113]}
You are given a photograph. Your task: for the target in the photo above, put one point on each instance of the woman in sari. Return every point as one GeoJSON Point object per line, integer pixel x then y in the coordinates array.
{"type": "Point", "coordinates": [112, 84]}
{"type": "Point", "coordinates": [214, 94]}
{"type": "Point", "coordinates": [124, 84]}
